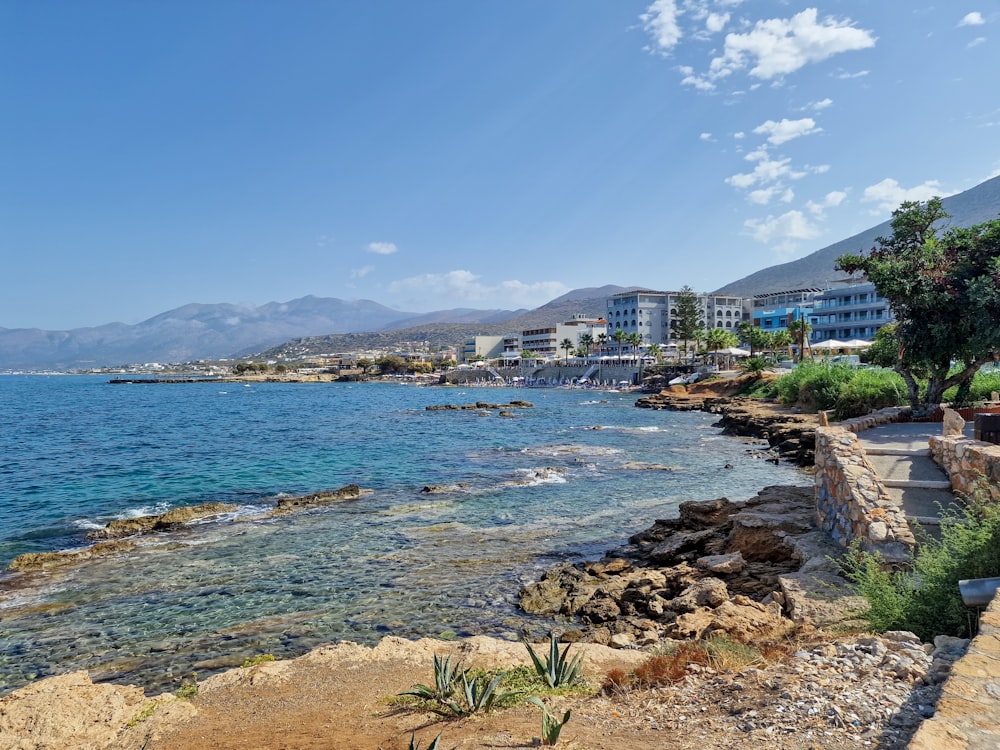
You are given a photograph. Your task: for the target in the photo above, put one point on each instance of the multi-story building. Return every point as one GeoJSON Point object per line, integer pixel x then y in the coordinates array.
{"type": "Point", "coordinates": [854, 311]}
{"type": "Point", "coordinates": [650, 313]}
{"type": "Point", "coordinates": [482, 347]}
{"type": "Point", "coordinates": [546, 343]}
{"type": "Point", "coordinates": [773, 311]}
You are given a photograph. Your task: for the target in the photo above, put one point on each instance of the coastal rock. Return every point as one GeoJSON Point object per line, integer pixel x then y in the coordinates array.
{"type": "Point", "coordinates": [741, 619]}
{"type": "Point", "coordinates": [481, 406]}
{"type": "Point", "coordinates": [645, 466]}
{"type": "Point", "coordinates": [722, 564]}
{"type": "Point", "coordinates": [69, 711]}
{"type": "Point", "coordinates": [47, 560]}
{"type": "Point", "coordinates": [160, 522]}
{"type": "Point", "coordinates": [347, 492]}
{"type": "Point", "coordinates": [439, 489]}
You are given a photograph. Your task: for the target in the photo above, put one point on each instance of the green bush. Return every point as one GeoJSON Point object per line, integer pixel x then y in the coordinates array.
{"type": "Point", "coordinates": [868, 390]}
{"type": "Point", "coordinates": [927, 600]}
{"type": "Point", "coordinates": [814, 385]}
{"type": "Point", "coordinates": [983, 385]}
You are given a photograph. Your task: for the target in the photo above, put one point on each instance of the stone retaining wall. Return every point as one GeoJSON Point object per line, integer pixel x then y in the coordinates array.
{"type": "Point", "coordinates": [967, 715]}
{"type": "Point", "coordinates": [851, 501]}
{"type": "Point", "coordinates": [967, 462]}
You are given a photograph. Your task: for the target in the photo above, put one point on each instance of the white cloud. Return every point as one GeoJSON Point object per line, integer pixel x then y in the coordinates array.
{"type": "Point", "coordinates": [740, 135]}
{"type": "Point", "coordinates": [360, 273]}
{"type": "Point", "coordinates": [822, 104]}
{"type": "Point", "coordinates": [779, 46]}
{"type": "Point", "coordinates": [785, 230]}
{"type": "Point", "coordinates": [382, 248]}
{"type": "Point", "coordinates": [465, 286]}
{"type": "Point", "coordinates": [660, 22]}
{"type": "Point", "coordinates": [976, 42]}
{"type": "Point", "coordinates": [972, 19]}
{"type": "Point", "coordinates": [889, 193]}
{"type": "Point", "coordinates": [768, 170]}
{"type": "Point", "coordinates": [830, 200]}
{"type": "Point", "coordinates": [716, 22]}
{"type": "Point", "coordinates": [787, 130]}
{"type": "Point", "coordinates": [706, 137]}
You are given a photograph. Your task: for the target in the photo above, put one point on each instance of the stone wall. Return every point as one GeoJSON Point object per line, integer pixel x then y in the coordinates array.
{"type": "Point", "coordinates": [851, 501]}
{"type": "Point", "coordinates": [967, 461]}
{"type": "Point", "coordinates": [967, 715]}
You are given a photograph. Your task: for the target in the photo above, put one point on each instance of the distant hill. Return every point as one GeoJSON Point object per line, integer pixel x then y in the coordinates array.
{"type": "Point", "coordinates": [974, 206]}
{"type": "Point", "coordinates": [586, 301]}
{"type": "Point", "coordinates": [213, 331]}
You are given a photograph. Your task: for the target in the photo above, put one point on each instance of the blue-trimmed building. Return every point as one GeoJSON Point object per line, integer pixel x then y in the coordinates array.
{"type": "Point", "coordinates": [775, 310]}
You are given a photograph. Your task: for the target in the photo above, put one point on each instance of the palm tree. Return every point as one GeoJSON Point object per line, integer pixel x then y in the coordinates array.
{"type": "Point", "coordinates": [655, 350]}
{"type": "Point", "coordinates": [782, 339]}
{"type": "Point", "coordinates": [567, 346]}
{"type": "Point", "coordinates": [602, 339]}
{"type": "Point", "coordinates": [799, 329]}
{"type": "Point", "coordinates": [586, 343]}
{"type": "Point", "coordinates": [619, 336]}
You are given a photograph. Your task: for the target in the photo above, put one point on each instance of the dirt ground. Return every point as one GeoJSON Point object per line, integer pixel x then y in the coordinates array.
{"type": "Point", "coordinates": [341, 697]}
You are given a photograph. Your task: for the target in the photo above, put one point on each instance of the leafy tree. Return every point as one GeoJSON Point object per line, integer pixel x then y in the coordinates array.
{"type": "Point", "coordinates": [688, 321]}
{"type": "Point", "coordinates": [655, 350]}
{"type": "Point", "coordinates": [781, 340]}
{"type": "Point", "coordinates": [944, 290]}
{"type": "Point", "coordinates": [567, 346]}
{"type": "Point", "coordinates": [586, 343]}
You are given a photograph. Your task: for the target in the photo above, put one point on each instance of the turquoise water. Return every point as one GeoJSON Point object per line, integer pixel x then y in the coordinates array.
{"type": "Point", "coordinates": [546, 485]}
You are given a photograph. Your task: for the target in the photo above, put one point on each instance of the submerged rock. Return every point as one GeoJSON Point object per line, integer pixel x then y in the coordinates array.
{"type": "Point", "coordinates": [347, 492]}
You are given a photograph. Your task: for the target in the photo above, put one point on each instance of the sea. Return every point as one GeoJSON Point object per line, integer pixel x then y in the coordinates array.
{"type": "Point", "coordinates": [565, 480]}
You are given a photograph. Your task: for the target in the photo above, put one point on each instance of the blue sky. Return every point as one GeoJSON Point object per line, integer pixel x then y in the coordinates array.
{"type": "Point", "coordinates": [442, 154]}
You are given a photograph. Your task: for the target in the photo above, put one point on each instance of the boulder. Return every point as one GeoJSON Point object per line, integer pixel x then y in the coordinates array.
{"type": "Point", "coordinates": [160, 522]}
{"type": "Point", "coordinates": [722, 564]}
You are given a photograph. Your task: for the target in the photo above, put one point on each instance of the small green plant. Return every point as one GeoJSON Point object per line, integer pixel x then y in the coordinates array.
{"type": "Point", "coordinates": [557, 670]}
{"type": "Point", "coordinates": [551, 726]}
{"type": "Point", "coordinates": [446, 676]}
{"type": "Point", "coordinates": [753, 365]}
{"type": "Point", "coordinates": [188, 688]}
{"type": "Point", "coordinates": [415, 745]}
{"type": "Point", "coordinates": [257, 660]}
{"type": "Point", "coordinates": [143, 715]}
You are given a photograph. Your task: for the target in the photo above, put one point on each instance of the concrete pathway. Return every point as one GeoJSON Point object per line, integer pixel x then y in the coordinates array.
{"type": "Point", "coordinates": [901, 455]}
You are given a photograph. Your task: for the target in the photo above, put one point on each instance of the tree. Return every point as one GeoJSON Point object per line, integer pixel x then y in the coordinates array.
{"type": "Point", "coordinates": [799, 329]}
{"type": "Point", "coordinates": [719, 338]}
{"type": "Point", "coordinates": [944, 290]}
{"type": "Point", "coordinates": [602, 339]}
{"type": "Point", "coordinates": [655, 350]}
{"type": "Point", "coordinates": [619, 336]}
{"type": "Point", "coordinates": [567, 346]}
{"type": "Point", "coordinates": [634, 340]}
{"type": "Point", "coordinates": [781, 339]}
{"type": "Point", "coordinates": [754, 337]}
{"type": "Point", "coordinates": [586, 343]}
{"type": "Point", "coordinates": [687, 321]}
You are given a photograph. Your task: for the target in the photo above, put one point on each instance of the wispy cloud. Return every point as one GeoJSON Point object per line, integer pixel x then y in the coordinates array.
{"type": "Point", "coordinates": [787, 130]}
{"type": "Point", "coordinates": [706, 137]}
{"type": "Point", "coordinates": [975, 18]}
{"type": "Point", "coordinates": [465, 286]}
{"type": "Point", "coordinates": [976, 42]}
{"type": "Point", "coordinates": [888, 193]}
{"type": "Point", "coordinates": [830, 200]}
{"type": "Point", "coordinates": [767, 170]}
{"type": "Point", "coordinates": [660, 22]}
{"type": "Point", "coordinates": [382, 248]}
{"type": "Point", "coordinates": [821, 104]}
{"type": "Point", "coordinates": [360, 273]}
{"type": "Point", "coordinates": [782, 232]}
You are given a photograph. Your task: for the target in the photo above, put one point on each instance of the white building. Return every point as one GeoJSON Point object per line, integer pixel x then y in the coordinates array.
{"type": "Point", "coordinates": [482, 347]}
{"type": "Point", "coordinates": [649, 313]}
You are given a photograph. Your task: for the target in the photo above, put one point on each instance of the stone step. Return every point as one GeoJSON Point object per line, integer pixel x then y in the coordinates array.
{"type": "Point", "coordinates": [875, 450]}
{"type": "Point", "coordinates": [923, 484]}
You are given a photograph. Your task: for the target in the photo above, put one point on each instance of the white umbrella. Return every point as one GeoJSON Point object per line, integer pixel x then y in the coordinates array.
{"type": "Point", "coordinates": [828, 344]}
{"type": "Point", "coordinates": [733, 351]}
{"type": "Point", "coordinates": [856, 344]}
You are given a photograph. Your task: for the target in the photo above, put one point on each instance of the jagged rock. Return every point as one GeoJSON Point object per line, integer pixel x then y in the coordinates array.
{"type": "Point", "coordinates": [741, 619]}
{"type": "Point", "coordinates": [347, 492]}
{"type": "Point", "coordinates": [645, 466]}
{"type": "Point", "coordinates": [722, 564]}
{"type": "Point", "coordinates": [160, 522]}
{"type": "Point", "coordinates": [682, 541]}
{"type": "Point", "coordinates": [47, 560]}
{"type": "Point", "coordinates": [708, 592]}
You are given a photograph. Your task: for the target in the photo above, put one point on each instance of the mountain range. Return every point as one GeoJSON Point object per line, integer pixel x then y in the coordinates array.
{"type": "Point", "coordinates": [311, 325]}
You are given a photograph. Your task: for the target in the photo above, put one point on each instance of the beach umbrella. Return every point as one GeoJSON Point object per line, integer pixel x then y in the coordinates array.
{"type": "Point", "coordinates": [828, 344]}
{"type": "Point", "coordinates": [855, 344]}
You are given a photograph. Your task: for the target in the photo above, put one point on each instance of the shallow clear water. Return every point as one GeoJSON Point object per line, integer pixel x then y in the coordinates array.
{"type": "Point", "coordinates": [76, 452]}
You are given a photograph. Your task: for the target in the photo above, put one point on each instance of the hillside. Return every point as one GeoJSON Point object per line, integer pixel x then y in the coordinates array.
{"type": "Point", "coordinates": [974, 206]}
{"type": "Point", "coordinates": [587, 301]}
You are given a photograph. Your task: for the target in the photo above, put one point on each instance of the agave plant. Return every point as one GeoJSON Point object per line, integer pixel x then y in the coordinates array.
{"type": "Point", "coordinates": [557, 669]}
{"type": "Point", "coordinates": [446, 675]}
{"type": "Point", "coordinates": [415, 745]}
{"type": "Point", "coordinates": [478, 696]}
{"type": "Point", "coordinates": [551, 726]}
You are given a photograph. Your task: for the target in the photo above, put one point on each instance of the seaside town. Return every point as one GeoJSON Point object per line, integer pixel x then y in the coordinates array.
{"type": "Point", "coordinates": [317, 432]}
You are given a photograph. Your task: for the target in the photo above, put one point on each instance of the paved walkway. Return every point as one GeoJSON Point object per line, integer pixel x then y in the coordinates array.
{"type": "Point", "coordinates": [901, 455]}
